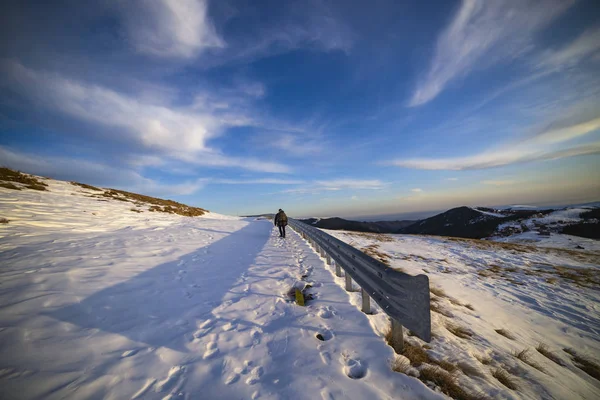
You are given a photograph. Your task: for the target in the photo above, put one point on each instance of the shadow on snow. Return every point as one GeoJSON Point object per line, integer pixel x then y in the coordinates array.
{"type": "Point", "coordinates": [159, 306]}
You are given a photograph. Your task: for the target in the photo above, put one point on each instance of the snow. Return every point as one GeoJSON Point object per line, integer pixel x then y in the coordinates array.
{"type": "Point", "coordinates": [521, 299]}
{"type": "Point", "coordinates": [98, 301]}
{"type": "Point", "coordinates": [488, 213]}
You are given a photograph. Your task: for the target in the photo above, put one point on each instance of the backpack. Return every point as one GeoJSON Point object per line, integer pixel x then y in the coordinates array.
{"type": "Point", "coordinates": [282, 220]}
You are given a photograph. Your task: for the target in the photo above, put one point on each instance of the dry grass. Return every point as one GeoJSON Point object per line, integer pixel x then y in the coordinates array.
{"type": "Point", "coordinates": [470, 307]}
{"type": "Point", "coordinates": [459, 331]}
{"type": "Point", "coordinates": [470, 370]}
{"type": "Point", "coordinates": [378, 237]}
{"type": "Point", "coordinates": [585, 364]}
{"type": "Point", "coordinates": [30, 182]}
{"type": "Point", "coordinates": [447, 383]}
{"type": "Point", "coordinates": [373, 251]}
{"type": "Point", "coordinates": [4, 221]}
{"type": "Point", "coordinates": [157, 205]}
{"type": "Point", "coordinates": [552, 281]}
{"type": "Point", "coordinates": [484, 359]}
{"type": "Point", "coordinates": [401, 365]}
{"type": "Point", "coordinates": [504, 378]}
{"type": "Point", "coordinates": [85, 186]}
{"type": "Point", "coordinates": [543, 349]}
{"type": "Point", "coordinates": [8, 185]}
{"type": "Point", "coordinates": [505, 333]}
{"type": "Point", "coordinates": [415, 353]}
{"type": "Point", "coordinates": [438, 291]}
{"type": "Point", "coordinates": [454, 301]}
{"type": "Point", "coordinates": [135, 210]}
{"type": "Point", "coordinates": [584, 277]}
{"type": "Point", "coordinates": [524, 356]}
{"type": "Point", "coordinates": [435, 307]}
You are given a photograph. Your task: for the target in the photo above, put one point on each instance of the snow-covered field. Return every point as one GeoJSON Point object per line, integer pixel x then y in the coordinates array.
{"type": "Point", "coordinates": [98, 301]}
{"type": "Point", "coordinates": [537, 295]}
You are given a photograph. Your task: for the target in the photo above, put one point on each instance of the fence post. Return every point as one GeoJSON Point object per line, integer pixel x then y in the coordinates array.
{"type": "Point", "coordinates": [397, 336]}
{"type": "Point", "coordinates": [366, 302]}
{"type": "Point", "coordinates": [338, 269]}
{"type": "Point", "coordinates": [323, 254]}
{"type": "Point", "coordinates": [348, 282]}
{"type": "Point", "coordinates": [328, 259]}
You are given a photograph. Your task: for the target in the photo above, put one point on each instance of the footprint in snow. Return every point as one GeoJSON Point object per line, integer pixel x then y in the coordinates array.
{"type": "Point", "coordinates": [256, 334]}
{"type": "Point", "coordinates": [211, 350]}
{"type": "Point", "coordinates": [255, 375]}
{"type": "Point", "coordinates": [326, 312]}
{"type": "Point", "coordinates": [129, 353]}
{"type": "Point", "coordinates": [354, 368]}
{"type": "Point", "coordinates": [169, 382]}
{"type": "Point", "coordinates": [228, 327]}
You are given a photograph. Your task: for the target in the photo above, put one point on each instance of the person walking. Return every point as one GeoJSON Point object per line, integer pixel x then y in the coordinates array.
{"type": "Point", "coordinates": [281, 221]}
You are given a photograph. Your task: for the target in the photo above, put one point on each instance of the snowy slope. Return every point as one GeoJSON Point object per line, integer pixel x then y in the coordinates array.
{"type": "Point", "coordinates": [547, 296]}
{"type": "Point", "coordinates": [99, 301]}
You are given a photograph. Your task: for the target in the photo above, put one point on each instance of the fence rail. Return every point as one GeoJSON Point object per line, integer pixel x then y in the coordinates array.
{"type": "Point", "coordinates": [405, 298]}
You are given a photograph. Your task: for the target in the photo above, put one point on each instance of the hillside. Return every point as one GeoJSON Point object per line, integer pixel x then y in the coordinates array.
{"type": "Point", "coordinates": [99, 300]}
{"type": "Point", "coordinates": [337, 223]}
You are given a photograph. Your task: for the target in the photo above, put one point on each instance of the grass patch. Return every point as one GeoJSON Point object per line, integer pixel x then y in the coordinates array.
{"type": "Point", "coordinates": [470, 370]}
{"type": "Point", "coordinates": [8, 185]}
{"type": "Point", "coordinates": [505, 333]}
{"type": "Point", "coordinates": [552, 281]}
{"type": "Point", "coordinates": [469, 306]}
{"type": "Point", "coordinates": [435, 307]}
{"type": "Point", "coordinates": [401, 365]}
{"type": "Point", "coordinates": [504, 378]}
{"type": "Point", "coordinates": [585, 364]}
{"type": "Point", "coordinates": [83, 185]}
{"type": "Point", "coordinates": [459, 331]}
{"type": "Point", "coordinates": [485, 360]}
{"type": "Point", "coordinates": [157, 205]}
{"type": "Point", "coordinates": [30, 182]}
{"type": "Point", "coordinates": [525, 356]}
{"type": "Point", "coordinates": [446, 382]}
{"type": "Point", "coordinates": [545, 351]}
{"type": "Point", "coordinates": [438, 291]}
{"type": "Point", "coordinates": [373, 251]}
{"type": "Point", "coordinates": [4, 221]}
{"type": "Point", "coordinates": [135, 210]}
{"type": "Point", "coordinates": [416, 354]}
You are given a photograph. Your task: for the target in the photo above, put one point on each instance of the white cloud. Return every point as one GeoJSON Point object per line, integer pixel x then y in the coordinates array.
{"type": "Point", "coordinates": [179, 133]}
{"type": "Point", "coordinates": [295, 145]}
{"type": "Point", "coordinates": [585, 45]}
{"type": "Point", "coordinates": [498, 183]}
{"type": "Point", "coordinates": [483, 33]}
{"type": "Point", "coordinates": [416, 190]}
{"type": "Point", "coordinates": [545, 146]}
{"type": "Point", "coordinates": [265, 181]}
{"type": "Point", "coordinates": [341, 184]}
{"type": "Point", "coordinates": [170, 28]}
{"type": "Point", "coordinates": [452, 179]}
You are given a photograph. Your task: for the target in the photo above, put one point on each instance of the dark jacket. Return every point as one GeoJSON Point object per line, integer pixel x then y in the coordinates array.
{"type": "Point", "coordinates": [280, 219]}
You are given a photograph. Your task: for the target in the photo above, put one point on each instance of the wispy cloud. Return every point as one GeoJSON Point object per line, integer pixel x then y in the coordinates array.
{"type": "Point", "coordinates": [170, 28]}
{"type": "Point", "coordinates": [541, 147]}
{"type": "Point", "coordinates": [295, 144]}
{"type": "Point", "coordinates": [483, 33]}
{"type": "Point", "coordinates": [264, 181]}
{"type": "Point", "coordinates": [335, 185]}
{"type": "Point", "coordinates": [452, 179]}
{"type": "Point", "coordinates": [498, 183]}
{"type": "Point", "coordinates": [177, 132]}
{"type": "Point", "coordinates": [586, 45]}
{"type": "Point", "coordinates": [416, 190]}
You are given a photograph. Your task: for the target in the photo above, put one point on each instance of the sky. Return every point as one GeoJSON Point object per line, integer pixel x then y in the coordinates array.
{"type": "Point", "coordinates": [322, 108]}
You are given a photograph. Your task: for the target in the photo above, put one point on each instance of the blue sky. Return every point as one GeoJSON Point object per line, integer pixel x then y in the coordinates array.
{"type": "Point", "coordinates": [321, 108]}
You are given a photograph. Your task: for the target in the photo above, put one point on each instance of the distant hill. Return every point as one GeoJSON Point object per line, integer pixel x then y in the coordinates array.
{"type": "Point", "coordinates": [482, 222]}
{"type": "Point", "coordinates": [358, 226]}
{"type": "Point", "coordinates": [468, 222]}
